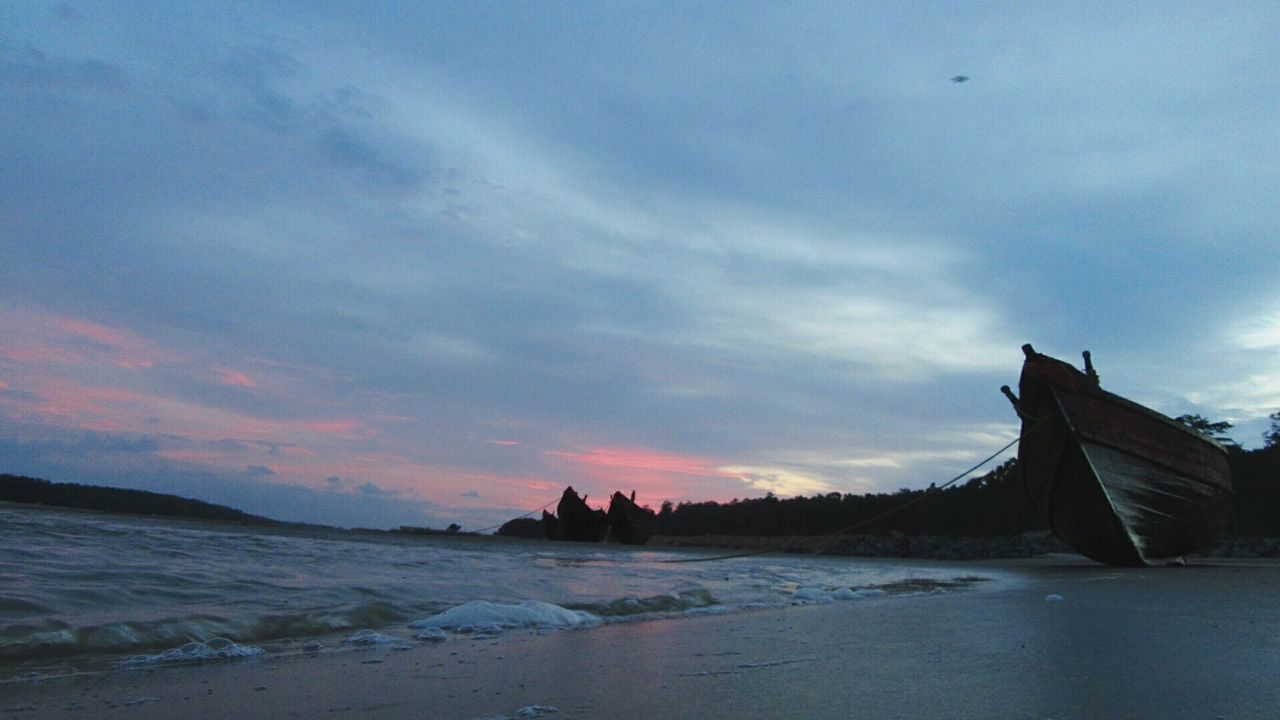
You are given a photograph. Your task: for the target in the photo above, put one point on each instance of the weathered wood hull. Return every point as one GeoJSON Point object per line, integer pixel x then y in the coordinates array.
{"type": "Point", "coordinates": [631, 524]}
{"type": "Point", "coordinates": [575, 520]}
{"type": "Point", "coordinates": [1119, 482]}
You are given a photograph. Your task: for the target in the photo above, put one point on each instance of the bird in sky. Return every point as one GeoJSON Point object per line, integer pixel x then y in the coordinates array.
{"type": "Point", "coordinates": [960, 79]}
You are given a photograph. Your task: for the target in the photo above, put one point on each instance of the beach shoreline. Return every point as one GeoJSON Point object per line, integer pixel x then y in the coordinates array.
{"type": "Point", "coordinates": [885, 545]}
{"type": "Point", "coordinates": [1067, 638]}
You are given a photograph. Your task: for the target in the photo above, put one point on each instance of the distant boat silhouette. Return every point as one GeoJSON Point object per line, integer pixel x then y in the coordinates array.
{"type": "Point", "coordinates": [631, 524]}
{"type": "Point", "coordinates": [575, 520]}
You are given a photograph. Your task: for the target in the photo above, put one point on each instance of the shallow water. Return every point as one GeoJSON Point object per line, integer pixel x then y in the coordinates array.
{"type": "Point", "coordinates": [83, 591]}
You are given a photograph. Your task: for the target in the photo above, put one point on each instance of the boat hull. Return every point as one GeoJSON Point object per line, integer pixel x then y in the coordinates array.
{"type": "Point", "coordinates": [575, 520]}
{"type": "Point", "coordinates": [631, 524]}
{"type": "Point", "coordinates": [1119, 482]}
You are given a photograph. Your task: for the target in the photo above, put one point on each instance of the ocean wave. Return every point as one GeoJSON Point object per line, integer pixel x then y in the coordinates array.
{"type": "Point", "coordinates": [666, 603]}
{"type": "Point", "coordinates": [18, 605]}
{"type": "Point", "coordinates": [56, 638]}
{"type": "Point", "coordinates": [369, 637]}
{"type": "Point", "coordinates": [95, 589]}
{"type": "Point", "coordinates": [482, 616]}
{"type": "Point", "coordinates": [815, 595]}
{"type": "Point", "coordinates": [196, 651]}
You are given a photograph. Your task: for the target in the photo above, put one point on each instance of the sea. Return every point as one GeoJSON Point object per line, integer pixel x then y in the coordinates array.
{"type": "Point", "coordinates": [84, 592]}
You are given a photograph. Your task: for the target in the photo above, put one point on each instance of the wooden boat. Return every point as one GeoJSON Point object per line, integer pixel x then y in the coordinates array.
{"type": "Point", "coordinates": [551, 525]}
{"type": "Point", "coordinates": [1119, 482]}
{"type": "Point", "coordinates": [575, 520]}
{"type": "Point", "coordinates": [631, 524]}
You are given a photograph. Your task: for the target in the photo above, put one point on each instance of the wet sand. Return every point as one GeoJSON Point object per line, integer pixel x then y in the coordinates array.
{"type": "Point", "coordinates": [1201, 641]}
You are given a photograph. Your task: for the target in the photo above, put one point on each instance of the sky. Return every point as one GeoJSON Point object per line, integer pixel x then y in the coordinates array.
{"type": "Point", "coordinates": [380, 264]}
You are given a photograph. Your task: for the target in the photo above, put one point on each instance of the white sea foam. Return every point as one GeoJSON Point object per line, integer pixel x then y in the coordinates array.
{"type": "Point", "coordinates": [213, 649]}
{"type": "Point", "coordinates": [806, 595]}
{"type": "Point", "coordinates": [483, 616]}
{"type": "Point", "coordinates": [817, 595]}
{"type": "Point", "coordinates": [632, 607]}
{"type": "Point", "coordinates": [370, 637]}
{"type": "Point", "coordinates": [528, 711]}
{"type": "Point", "coordinates": [431, 634]}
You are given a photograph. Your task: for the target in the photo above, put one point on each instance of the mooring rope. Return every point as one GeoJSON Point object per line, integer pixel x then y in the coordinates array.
{"type": "Point", "coordinates": [822, 541]}
{"type": "Point", "coordinates": [518, 517]}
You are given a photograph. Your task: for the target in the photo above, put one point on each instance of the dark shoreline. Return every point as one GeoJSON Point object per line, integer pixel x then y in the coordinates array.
{"type": "Point", "coordinates": [926, 547]}
{"type": "Point", "coordinates": [944, 547]}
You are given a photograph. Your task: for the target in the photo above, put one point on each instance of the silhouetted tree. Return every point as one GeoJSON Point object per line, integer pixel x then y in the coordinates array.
{"type": "Point", "coordinates": [1204, 426]}
{"type": "Point", "coordinates": [1272, 436]}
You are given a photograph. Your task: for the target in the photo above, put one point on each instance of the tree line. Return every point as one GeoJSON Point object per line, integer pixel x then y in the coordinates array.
{"type": "Point", "coordinates": [28, 490]}
{"type": "Point", "coordinates": [991, 505]}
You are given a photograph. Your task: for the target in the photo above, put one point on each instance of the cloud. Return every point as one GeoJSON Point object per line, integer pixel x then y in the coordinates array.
{"type": "Point", "coordinates": [780, 481]}
{"type": "Point", "coordinates": [97, 459]}
{"type": "Point", "coordinates": [234, 378]}
{"type": "Point", "coordinates": [1261, 332]}
{"type": "Point", "coordinates": [640, 458]}
{"type": "Point", "coordinates": [258, 471]}
{"type": "Point", "coordinates": [36, 337]}
{"type": "Point", "coordinates": [31, 67]}
{"type": "Point", "coordinates": [764, 250]}
{"type": "Point", "coordinates": [354, 155]}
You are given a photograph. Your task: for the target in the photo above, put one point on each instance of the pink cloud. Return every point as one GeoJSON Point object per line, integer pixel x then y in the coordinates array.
{"type": "Point", "coordinates": [92, 331]}
{"type": "Point", "coordinates": [70, 373]}
{"type": "Point", "coordinates": [654, 475]}
{"type": "Point", "coordinates": [194, 456]}
{"type": "Point", "coordinates": [43, 338]}
{"type": "Point", "coordinates": [344, 426]}
{"type": "Point", "coordinates": [642, 459]}
{"type": "Point", "coordinates": [39, 354]}
{"type": "Point", "coordinates": [235, 378]}
{"type": "Point", "coordinates": [69, 403]}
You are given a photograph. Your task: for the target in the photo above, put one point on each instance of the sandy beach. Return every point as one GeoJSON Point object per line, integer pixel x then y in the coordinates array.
{"type": "Point", "coordinates": [1060, 638]}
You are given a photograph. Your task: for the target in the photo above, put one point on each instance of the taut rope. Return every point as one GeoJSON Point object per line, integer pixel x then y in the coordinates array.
{"type": "Point", "coordinates": [822, 541]}
{"type": "Point", "coordinates": [494, 527]}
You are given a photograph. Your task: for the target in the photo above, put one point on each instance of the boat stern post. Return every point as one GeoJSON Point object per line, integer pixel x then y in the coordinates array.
{"type": "Point", "coordinates": [1088, 367]}
{"type": "Point", "coordinates": [1013, 399]}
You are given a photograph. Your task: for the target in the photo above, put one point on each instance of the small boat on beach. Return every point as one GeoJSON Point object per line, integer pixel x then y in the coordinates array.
{"type": "Point", "coordinates": [575, 520]}
{"type": "Point", "coordinates": [551, 525]}
{"type": "Point", "coordinates": [631, 524]}
{"type": "Point", "coordinates": [1119, 482]}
